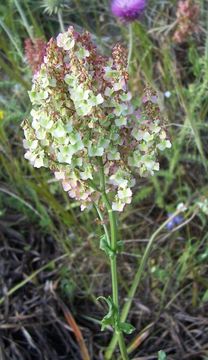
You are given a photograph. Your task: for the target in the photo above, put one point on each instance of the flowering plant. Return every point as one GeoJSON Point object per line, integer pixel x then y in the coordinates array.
{"type": "Point", "coordinates": [187, 20]}
{"type": "Point", "coordinates": [83, 115]}
{"type": "Point", "coordinates": [34, 53]}
{"type": "Point", "coordinates": [128, 10]}
{"type": "Point", "coordinates": [86, 130]}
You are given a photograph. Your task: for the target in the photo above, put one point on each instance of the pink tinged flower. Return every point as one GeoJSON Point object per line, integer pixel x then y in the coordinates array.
{"type": "Point", "coordinates": [72, 194]}
{"type": "Point", "coordinates": [154, 99]}
{"type": "Point", "coordinates": [35, 52]}
{"type": "Point", "coordinates": [138, 114]}
{"type": "Point", "coordinates": [145, 99]}
{"type": "Point", "coordinates": [187, 20]}
{"type": "Point", "coordinates": [66, 185]}
{"type": "Point", "coordinates": [128, 10]}
{"type": "Point", "coordinates": [59, 175]}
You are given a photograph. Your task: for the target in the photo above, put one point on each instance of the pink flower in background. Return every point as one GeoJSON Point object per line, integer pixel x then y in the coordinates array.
{"type": "Point", "coordinates": [187, 20]}
{"type": "Point", "coordinates": [34, 53]}
{"type": "Point", "coordinates": [128, 10]}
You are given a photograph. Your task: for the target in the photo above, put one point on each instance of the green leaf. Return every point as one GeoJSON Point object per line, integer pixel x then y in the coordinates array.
{"type": "Point", "coordinates": [111, 316]}
{"type": "Point", "coordinates": [205, 296]}
{"type": "Point", "coordinates": [126, 328]}
{"type": "Point", "coordinates": [120, 246]}
{"type": "Point", "coordinates": [104, 245]}
{"type": "Point", "coordinates": [162, 355]}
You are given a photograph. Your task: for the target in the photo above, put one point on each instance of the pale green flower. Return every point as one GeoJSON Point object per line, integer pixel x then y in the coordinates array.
{"type": "Point", "coordinates": [83, 117]}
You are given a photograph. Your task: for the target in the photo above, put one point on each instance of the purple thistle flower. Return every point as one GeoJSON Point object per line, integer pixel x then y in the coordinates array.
{"type": "Point", "coordinates": [128, 10]}
{"type": "Point", "coordinates": [177, 220]}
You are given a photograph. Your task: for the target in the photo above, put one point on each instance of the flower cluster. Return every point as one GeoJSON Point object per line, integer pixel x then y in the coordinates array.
{"type": "Point", "coordinates": [175, 221]}
{"type": "Point", "coordinates": [35, 52]}
{"type": "Point", "coordinates": [128, 10]}
{"type": "Point", "coordinates": [187, 19]}
{"type": "Point", "coordinates": [83, 121]}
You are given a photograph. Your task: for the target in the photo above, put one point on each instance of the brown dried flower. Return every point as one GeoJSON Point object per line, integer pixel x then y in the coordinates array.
{"type": "Point", "coordinates": [35, 52]}
{"type": "Point", "coordinates": [187, 20]}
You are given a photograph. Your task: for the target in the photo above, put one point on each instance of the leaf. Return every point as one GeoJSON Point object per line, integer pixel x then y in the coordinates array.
{"type": "Point", "coordinates": [127, 328]}
{"type": "Point", "coordinates": [111, 316]}
{"type": "Point", "coordinates": [104, 245]}
{"type": "Point", "coordinates": [162, 355]}
{"type": "Point", "coordinates": [205, 296]}
{"type": "Point", "coordinates": [120, 246]}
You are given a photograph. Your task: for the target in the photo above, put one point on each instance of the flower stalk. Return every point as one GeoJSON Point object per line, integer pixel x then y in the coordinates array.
{"type": "Point", "coordinates": [130, 44]}
{"type": "Point", "coordinates": [60, 19]}
{"type": "Point", "coordinates": [113, 265]}
{"type": "Point", "coordinates": [136, 282]}
{"type": "Point", "coordinates": [82, 111]}
{"type": "Point", "coordinates": [87, 131]}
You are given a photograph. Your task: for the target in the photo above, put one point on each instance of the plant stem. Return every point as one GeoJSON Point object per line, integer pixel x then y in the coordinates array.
{"type": "Point", "coordinates": [60, 19]}
{"type": "Point", "coordinates": [130, 44]}
{"type": "Point", "coordinates": [103, 224]}
{"type": "Point", "coordinates": [135, 284]}
{"type": "Point", "coordinates": [113, 261]}
{"type": "Point", "coordinates": [114, 276]}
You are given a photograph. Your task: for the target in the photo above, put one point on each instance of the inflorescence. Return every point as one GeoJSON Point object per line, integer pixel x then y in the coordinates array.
{"type": "Point", "coordinates": [187, 20]}
{"type": "Point", "coordinates": [128, 10]}
{"type": "Point", "coordinates": [34, 53]}
{"type": "Point", "coordinates": [83, 121]}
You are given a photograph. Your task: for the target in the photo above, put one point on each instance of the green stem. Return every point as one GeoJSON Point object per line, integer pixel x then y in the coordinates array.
{"type": "Point", "coordinates": [103, 224]}
{"type": "Point", "coordinates": [135, 284]}
{"type": "Point", "coordinates": [130, 44]}
{"type": "Point", "coordinates": [60, 19]}
{"type": "Point", "coordinates": [114, 276]}
{"type": "Point", "coordinates": [113, 262]}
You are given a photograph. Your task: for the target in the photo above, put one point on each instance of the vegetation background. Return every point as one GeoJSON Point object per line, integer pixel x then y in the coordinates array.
{"type": "Point", "coordinates": [52, 269]}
